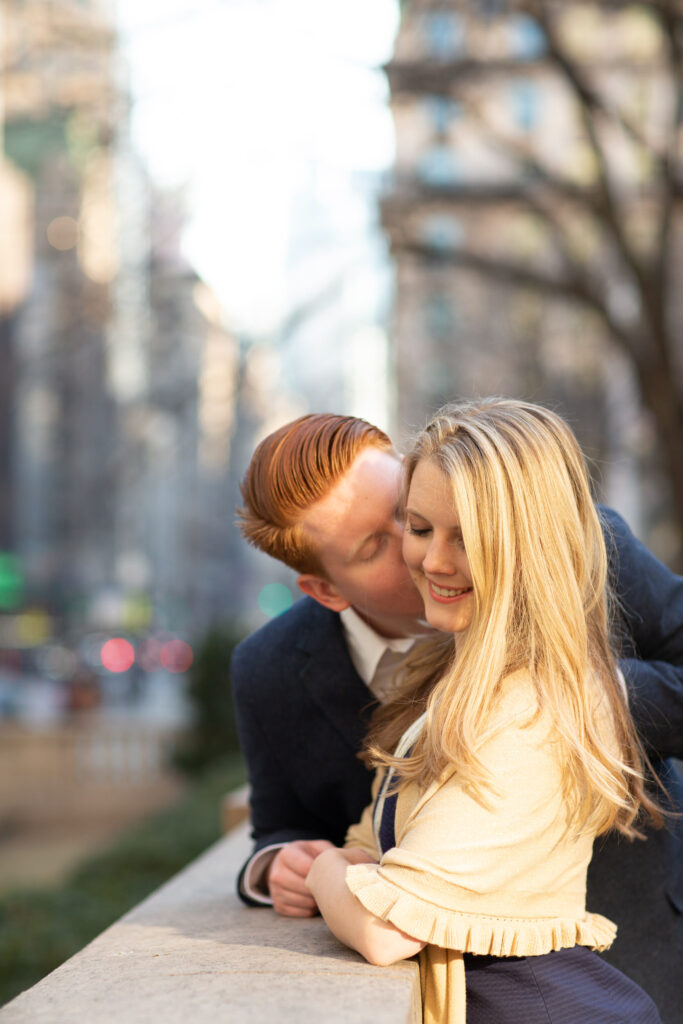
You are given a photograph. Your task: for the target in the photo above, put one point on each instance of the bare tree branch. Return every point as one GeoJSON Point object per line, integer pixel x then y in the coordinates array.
{"type": "Point", "coordinates": [562, 188]}
{"type": "Point", "coordinates": [602, 202]}
{"type": "Point", "coordinates": [608, 207]}
{"type": "Point", "coordinates": [510, 273]}
{"type": "Point", "coordinates": [670, 22]}
{"type": "Point", "coordinates": [589, 96]}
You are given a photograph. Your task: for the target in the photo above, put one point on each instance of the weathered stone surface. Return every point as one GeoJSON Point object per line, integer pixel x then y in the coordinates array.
{"type": "Point", "coordinates": [193, 952]}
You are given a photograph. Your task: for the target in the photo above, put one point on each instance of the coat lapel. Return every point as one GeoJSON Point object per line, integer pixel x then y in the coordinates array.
{"type": "Point", "coordinates": [330, 679]}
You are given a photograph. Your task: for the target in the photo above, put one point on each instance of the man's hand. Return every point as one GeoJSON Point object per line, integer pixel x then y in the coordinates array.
{"type": "Point", "coordinates": [286, 877]}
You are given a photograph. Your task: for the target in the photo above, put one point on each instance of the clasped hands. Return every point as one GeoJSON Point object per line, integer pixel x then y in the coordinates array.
{"type": "Point", "coordinates": [289, 872]}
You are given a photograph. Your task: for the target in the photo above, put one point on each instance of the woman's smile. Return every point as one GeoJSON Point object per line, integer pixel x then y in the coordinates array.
{"type": "Point", "coordinates": [434, 551]}
{"type": "Point", "coordinates": [447, 595]}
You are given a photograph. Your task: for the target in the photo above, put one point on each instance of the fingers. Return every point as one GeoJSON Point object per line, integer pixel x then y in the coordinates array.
{"type": "Point", "coordinates": [315, 846]}
{"type": "Point", "coordinates": [287, 877]}
{"type": "Point", "coordinates": [292, 905]}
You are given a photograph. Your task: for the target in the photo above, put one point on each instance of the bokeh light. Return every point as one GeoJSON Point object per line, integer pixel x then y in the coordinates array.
{"type": "Point", "coordinates": [176, 656]}
{"type": "Point", "coordinates": [34, 627]}
{"type": "Point", "coordinates": [274, 599]}
{"type": "Point", "coordinates": [62, 233]}
{"type": "Point", "coordinates": [117, 654]}
{"type": "Point", "coordinates": [11, 581]}
{"type": "Point", "coordinates": [136, 612]}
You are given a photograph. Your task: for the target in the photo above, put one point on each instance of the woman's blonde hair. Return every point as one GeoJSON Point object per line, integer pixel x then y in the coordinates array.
{"type": "Point", "coordinates": [538, 565]}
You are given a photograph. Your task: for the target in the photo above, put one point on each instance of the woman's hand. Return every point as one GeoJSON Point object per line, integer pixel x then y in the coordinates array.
{"type": "Point", "coordinates": [380, 942]}
{"type": "Point", "coordinates": [328, 867]}
{"type": "Point", "coordinates": [357, 855]}
{"type": "Point", "coordinates": [335, 859]}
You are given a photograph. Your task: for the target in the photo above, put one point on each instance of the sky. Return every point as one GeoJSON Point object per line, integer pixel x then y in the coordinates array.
{"type": "Point", "coordinates": [247, 103]}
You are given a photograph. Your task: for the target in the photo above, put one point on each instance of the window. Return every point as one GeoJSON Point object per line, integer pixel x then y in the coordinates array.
{"type": "Point", "coordinates": [527, 38]}
{"type": "Point", "coordinates": [442, 232]}
{"type": "Point", "coordinates": [443, 34]}
{"type": "Point", "coordinates": [442, 112]}
{"type": "Point", "coordinates": [439, 166]}
{"type": "Point", "coordinates": [525, 103]}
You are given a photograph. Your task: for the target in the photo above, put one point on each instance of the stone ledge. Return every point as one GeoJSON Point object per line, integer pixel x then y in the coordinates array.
{"type": "Point", "coordinates": [193, 952]}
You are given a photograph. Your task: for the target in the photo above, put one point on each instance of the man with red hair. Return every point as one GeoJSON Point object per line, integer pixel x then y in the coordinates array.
{"type": "Point", "coordinates": [321, 494]}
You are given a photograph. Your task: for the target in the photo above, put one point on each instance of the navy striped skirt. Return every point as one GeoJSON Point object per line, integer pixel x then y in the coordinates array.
{"type": "Point", "coordinates": [569, 986]}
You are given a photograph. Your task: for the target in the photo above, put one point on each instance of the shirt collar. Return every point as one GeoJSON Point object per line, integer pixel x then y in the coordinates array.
{"type": "Point", "coordinates": [366, 646]}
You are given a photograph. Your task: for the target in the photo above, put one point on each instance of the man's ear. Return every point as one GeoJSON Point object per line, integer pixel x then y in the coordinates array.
{"type": "Point", "coordinates": [322, 591]}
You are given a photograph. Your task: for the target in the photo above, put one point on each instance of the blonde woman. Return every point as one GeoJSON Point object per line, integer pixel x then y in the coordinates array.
{"type": "Point", "coordinates": [510, 747]}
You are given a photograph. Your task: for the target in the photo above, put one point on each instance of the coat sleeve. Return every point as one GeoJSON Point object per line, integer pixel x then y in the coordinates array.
{"type": "Point", "coordinates": [277, 814]}
{"type": "Point", "coordinates": [650, 600]}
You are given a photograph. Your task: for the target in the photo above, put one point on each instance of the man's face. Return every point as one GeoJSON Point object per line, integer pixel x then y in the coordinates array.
{"type": "Point", "coordinates": [356, 532]}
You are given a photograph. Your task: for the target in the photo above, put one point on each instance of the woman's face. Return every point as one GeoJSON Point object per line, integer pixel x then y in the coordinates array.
{"type": "Point", "coordinates": [433, 550]}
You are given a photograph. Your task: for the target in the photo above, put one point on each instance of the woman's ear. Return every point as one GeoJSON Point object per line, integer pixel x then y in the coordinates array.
{"type": "Point", "coordinates": [322, 591]}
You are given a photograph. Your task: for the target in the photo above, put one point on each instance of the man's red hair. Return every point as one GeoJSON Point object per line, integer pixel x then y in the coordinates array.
{"type": "Point", "coordinates": [292, 469]}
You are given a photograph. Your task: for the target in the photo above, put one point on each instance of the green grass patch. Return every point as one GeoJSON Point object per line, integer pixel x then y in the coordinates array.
{"type": "Point", "coordinates": [39, 929]}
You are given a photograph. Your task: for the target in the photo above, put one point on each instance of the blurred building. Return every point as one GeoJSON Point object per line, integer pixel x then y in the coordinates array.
{"type": "Point", "coordinates": [58, 108]}
{"type": "Point", "coordinates": [130, 410]}
{"type": "Point", "coordinates": [117, 376]}
{"type": "Point", "coordinates": [488, 208]}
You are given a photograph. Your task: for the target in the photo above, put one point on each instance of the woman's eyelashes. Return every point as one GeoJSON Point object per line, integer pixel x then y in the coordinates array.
{"type": "Point", "coordinates": [417, 530]}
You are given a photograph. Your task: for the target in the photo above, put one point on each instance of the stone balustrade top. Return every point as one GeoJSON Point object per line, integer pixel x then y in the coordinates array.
{"type": "Point", "coordinates": [192, 952]}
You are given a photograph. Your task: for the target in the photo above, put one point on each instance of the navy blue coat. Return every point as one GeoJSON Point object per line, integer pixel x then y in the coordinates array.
{"type": "Point", "coordinates": [303, 711]}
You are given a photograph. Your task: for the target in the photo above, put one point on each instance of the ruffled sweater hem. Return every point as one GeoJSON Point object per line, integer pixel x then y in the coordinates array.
{"type": "Point", "coordinates": [474, 933]}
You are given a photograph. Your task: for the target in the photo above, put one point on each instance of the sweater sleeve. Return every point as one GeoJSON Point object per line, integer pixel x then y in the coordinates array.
{"type": "Point", "coordinates": [497, 876]}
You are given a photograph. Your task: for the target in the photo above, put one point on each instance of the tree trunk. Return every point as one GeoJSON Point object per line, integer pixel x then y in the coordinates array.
{"type": "Point", "coordinates": [660, 396]}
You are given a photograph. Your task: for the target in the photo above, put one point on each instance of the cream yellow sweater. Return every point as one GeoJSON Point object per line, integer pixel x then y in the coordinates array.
{"type": "Point", "coordinates": [508, 879]}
